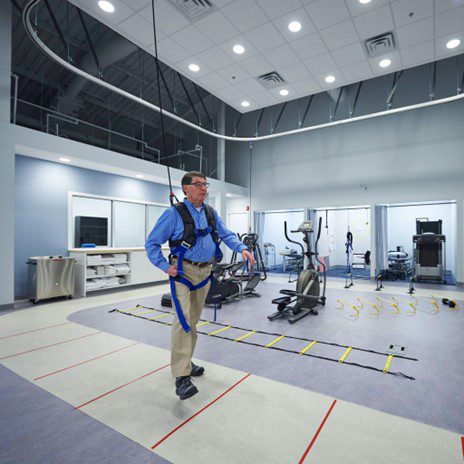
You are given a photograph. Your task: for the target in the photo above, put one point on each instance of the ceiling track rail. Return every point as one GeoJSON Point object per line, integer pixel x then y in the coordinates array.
{"type": "Point", "coordinates": [35, 38]}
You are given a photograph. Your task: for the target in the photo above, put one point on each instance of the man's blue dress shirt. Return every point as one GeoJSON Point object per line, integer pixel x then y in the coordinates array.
{"type": "Point", "coordinates": [170, 226]}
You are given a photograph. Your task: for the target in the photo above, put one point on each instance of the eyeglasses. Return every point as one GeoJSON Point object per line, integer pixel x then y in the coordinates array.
{"type": "Point", "coordinates": [200, 184]}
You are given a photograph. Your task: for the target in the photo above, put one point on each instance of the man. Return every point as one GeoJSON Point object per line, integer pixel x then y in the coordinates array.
{"type": "Point", "coordinates": [192, 261]}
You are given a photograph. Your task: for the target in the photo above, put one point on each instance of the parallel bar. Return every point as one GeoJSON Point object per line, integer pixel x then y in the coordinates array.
{"type": "Point", "coordinates": [89, 40]}
{"type": "Point", "coordinates": [306, 110]}
{"type": "Point", "coordinates": [345, 354]}
{"type": "Point", "coordinates": [189, 99]}
{"type": "Point", "coordinates": [387, 364]}
{"type": "Point", "coordinates": [57, 27]}
{"type": "Point", "coordinates": [220, 330]}
{"type": "Point", "coordinates": [278, 118]}
{"type": "Point", "coordinates": [274, 341]}
{"type": "Point", "coordinates": [304, 350]}
{"type": "Point", "coordinates": [356, 99]}
{"type": "Point", "coordinates": [245, 336]}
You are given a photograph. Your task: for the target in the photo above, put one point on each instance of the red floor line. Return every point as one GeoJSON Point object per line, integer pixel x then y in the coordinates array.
{"type": "Point", "coordinates": [118, 388]}
{"type": "Point", "coordinates": [462, 444]}
{"type": "Point", "coordinates": [200, 411]}
{"type": "Point", "coordinates": [84, 362]}
{"type": "Point", "coordinates": [48, 346]}
{"type": "Point", "coordinates": [317, 433]}
{"type": "Point", "coordinates": [36, 330]}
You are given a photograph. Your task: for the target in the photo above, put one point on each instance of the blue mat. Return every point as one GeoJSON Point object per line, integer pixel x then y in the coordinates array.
{"type": "Point", "coordinates": [340, 271]}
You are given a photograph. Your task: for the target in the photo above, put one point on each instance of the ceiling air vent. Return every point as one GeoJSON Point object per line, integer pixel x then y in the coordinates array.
{"type": "Point", "coordinates": [271, 79]}
{"type": "Point", "coordinates": [193, 9]}
{"type": "Point", "coordinates": [380, 44]}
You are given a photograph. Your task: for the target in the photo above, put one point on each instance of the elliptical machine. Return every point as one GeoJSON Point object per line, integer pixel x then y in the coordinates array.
{"type": "Point", "coordinates": [308, 287]}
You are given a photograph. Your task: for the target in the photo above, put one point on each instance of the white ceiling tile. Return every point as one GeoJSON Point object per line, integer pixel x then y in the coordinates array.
{"type": "Point", "coordinates": [139, 30]}
{"type": "Point", "coordinates": [257, 65]}
{"type": "Point", "coordinates": [410, 11]}
{"type": "Point", "coordinates": [234, 73]}
{"type": "Point", "coordinates": [350, 54]}
{"type": "Point", "coordinates": [245, 14]}
{"type": "Point", "coordinates": [451, 21]}
{"type": "Point", "coordinates": [309, 46]}
{"type": "Point", "coordinates": [299, 15]}
{"type": "Point", "coordinates": [170, 51]}
{"type": "Point", "coordinates": [221, 3]}
{"type": "Point", "coordinates": [213, 81]}
{"type": "Point", "coordinates": [320, 64]}
{"type": "Point", "coordinates": [440, 47]}
{"type": "Point", "coordinates": [121, 11]}
{"type": "Point", "coordinates": [249, 87]}
{"type": "Point", "coordinates": [357, 8]}
{"type": "Point", "coordinates": [183, 65]}
{"type": "Point", "coordinates": [168, 19]}
{"type": "Point", "coordinates": [294, 72]}
{"type": "Point", "coordinates": [276, 8]}
{"type": "Point", "coordinates": [339, 35]}
{"type": "Point", "coordinates": [215, 58]}
{"type": "Point", "coordinates": [421, 31]}
{"type": "Point", "coordinates": [307, 86]}
{"type": "Point", "coordinates": [264, 98]}
{"type": "Point", "coordinates": [339, 79]}
{"type": "Point", "coordinates": [325, 13]}
{"type": "Point", "coordinates": [419, 53]}
{"type": "Point", "coordinates": [192, 40]}
{"type": "Point", "coordinates": [217, 27]}
{"type": "Point", "coordinates": [395, 63]}
{"type": "Point", "coordinates": [137, 5]}
{"type": "Point", "coordinates": [445, 5]}
{"type": "Point", "coordinates": [374, 23]}
{"type": "Point", "coordinates": [357, 72]}
{"type": "Point", "coordinates": [281, 56]}
{"type": "Point", "coordinates": [230, 93]}
{"type": "Point", "coordinates": [228, 46]}
{"type": "Point", "coordinates": [264, 37]}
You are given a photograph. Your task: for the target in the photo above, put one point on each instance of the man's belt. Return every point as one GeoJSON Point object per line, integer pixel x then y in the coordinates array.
{"type": "Point", "coordinates": [195, 263]}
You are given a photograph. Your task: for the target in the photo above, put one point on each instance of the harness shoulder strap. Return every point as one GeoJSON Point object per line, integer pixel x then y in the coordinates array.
{"type": "Point", "coordinates": [189, 236]}
{"type": "Point", "coordinates": [211, 218]}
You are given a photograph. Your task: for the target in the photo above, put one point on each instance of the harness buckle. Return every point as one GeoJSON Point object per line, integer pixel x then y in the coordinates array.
{"type": "Point", "coordinates": [185, 245]}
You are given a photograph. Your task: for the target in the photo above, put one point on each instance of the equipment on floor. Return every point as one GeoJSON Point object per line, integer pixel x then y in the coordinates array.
{"type": "Point", "coordinates": [450, 303]}
{"type": "Point", "coordinates": [269, 256]}
{"type": "Point", "coordinates": [257, 272]}
{"type": "Point", "coordinates": [50, 277]}
{"type": "Point", "coordinates": [399, 264]}
{"type": "Point", "coordinates": [308, 288]}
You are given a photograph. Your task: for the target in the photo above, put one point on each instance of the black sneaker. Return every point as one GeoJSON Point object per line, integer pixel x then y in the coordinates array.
{"type": "Point", "coordinates": [197, 370]}
{"type": "Point", "coordinates": [185, 388]}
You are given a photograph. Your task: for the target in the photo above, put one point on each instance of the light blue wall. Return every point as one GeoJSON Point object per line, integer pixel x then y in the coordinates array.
{"type": "Point", "coordinates": [41, 206]}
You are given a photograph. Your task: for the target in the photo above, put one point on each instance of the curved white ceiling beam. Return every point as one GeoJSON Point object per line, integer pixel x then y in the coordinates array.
{"type": "Point", "coordinates": [34, 36]}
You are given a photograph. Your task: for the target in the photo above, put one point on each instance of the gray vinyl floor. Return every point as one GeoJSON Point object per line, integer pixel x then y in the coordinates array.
{"type": "Point", "coordinates": [81, 384]}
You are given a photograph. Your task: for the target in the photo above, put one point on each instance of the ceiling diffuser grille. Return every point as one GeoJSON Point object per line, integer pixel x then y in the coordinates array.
{"type": "Point", "coordinates": [271, 79]}
{"type": "Point", "coordinates": [380, 44]}
{"type": "Point", "coordinates": [193, 9]}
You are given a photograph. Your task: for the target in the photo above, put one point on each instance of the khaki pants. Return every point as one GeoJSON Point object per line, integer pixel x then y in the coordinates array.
{"type": "Point", "coordinates": [191, 303]}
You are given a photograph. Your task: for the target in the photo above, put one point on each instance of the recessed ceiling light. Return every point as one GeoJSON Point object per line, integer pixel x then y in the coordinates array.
{"type": "Point", "coordinates": [294, 26]}
{"type": "Point", "coordinates": [284, 92]}
{"type": "Point", "coordinates": [140, 176]}
{"type": "Point", "coordinates": [385, 63]}
{"type": "Point", "coordinates": [228, 195]}
{"type": "Point", "coordinates": [330, 79]}
{"type": "Point", "coordinates": [194, 67]}
{"type": "Point", "coordinates": [364, 1]}
{"type": "Point", "coordinates": [238, 49]}
{"type": "Point", "coordinates": [106, 6]}
{"type": "Point", "coordinates": [453, 43]}
{"type": "Point", "coordinates": [245, 103]}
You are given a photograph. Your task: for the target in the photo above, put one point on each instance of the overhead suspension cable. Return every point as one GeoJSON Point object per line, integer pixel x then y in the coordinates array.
{"type": "Point", "coordinates": [171, 193]}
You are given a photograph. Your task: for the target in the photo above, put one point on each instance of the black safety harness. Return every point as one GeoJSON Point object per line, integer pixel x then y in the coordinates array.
{"type": "Point", "coordinates": [181, 246]}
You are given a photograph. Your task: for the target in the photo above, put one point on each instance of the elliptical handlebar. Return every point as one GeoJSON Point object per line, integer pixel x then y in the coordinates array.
{"type": "Point", "coordinates": [293, 241]}
{"type": "Point", "coordinates": [319, 229]}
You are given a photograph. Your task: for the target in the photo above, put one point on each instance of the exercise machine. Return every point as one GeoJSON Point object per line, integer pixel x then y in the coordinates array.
{"type": "Point", "coordinates": [257, 272]}
{"type": "Point", "coordinates": [301, 302]}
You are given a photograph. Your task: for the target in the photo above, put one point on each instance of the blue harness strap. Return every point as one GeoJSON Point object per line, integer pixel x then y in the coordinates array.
{"type": "Point", "coordinates": [191, 287]}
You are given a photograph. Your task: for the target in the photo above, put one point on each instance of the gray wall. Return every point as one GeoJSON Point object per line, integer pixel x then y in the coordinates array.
{"type": "Point", "coordinates": [41, 206]}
